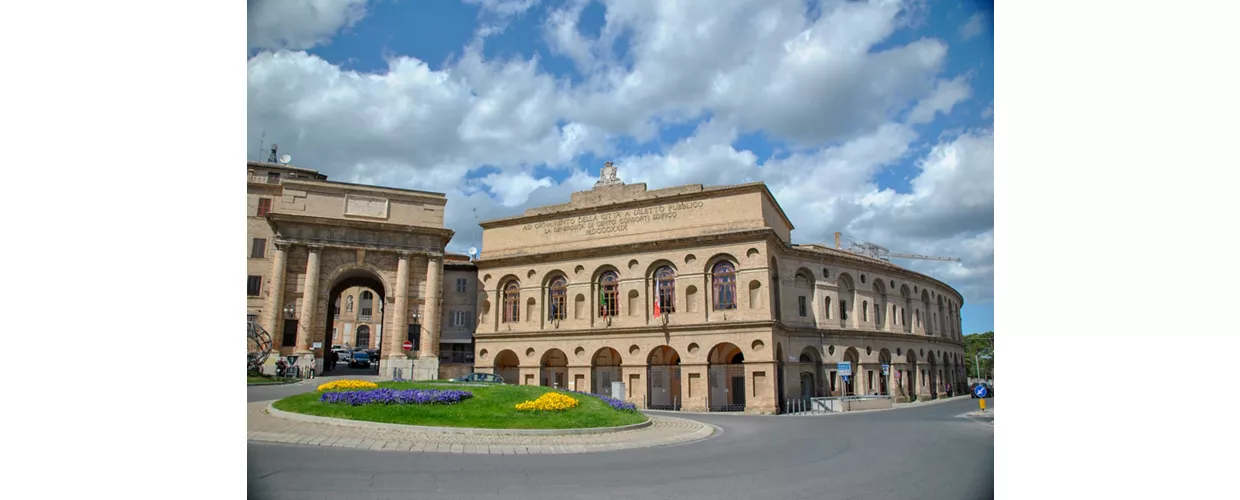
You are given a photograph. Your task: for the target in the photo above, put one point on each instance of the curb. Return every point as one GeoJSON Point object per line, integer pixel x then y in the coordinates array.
{"type": "Point", "coordinates": [275, 383]}
{"type": "Point", "coordinates": [271, 409]}
{"type": "Point", "coordinates": [901, 406]}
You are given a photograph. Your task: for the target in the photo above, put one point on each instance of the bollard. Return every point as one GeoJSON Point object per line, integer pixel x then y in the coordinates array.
{"type": "Point", "coordinates": [982, 402]}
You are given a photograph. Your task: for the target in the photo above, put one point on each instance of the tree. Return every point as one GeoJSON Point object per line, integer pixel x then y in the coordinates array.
{"type": "Point", "coordinates": [984, 344]}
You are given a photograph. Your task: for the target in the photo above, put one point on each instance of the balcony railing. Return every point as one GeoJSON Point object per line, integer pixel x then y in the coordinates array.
{"type": "Point", "coordinates": [263, 179]}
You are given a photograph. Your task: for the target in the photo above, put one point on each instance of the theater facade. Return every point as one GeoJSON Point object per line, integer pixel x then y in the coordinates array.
{"type": "Point", "coordinates": [697, 300]}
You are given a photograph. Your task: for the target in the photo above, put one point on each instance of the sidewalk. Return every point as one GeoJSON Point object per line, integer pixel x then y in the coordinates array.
{"type": "Point", "coordinates": [264, 427]}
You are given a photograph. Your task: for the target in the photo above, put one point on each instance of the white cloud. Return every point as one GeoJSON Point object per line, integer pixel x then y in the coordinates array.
{"type": "Point", "coordinates": [299, 24]}
{"type": "Point", "coordinates": [972, 27]}
{"type": "Point", "coordinates": [503, 8]}
{"type": "Point", "coordinates": [815, 82]}
{"type": "Point", "coordinates": [947, 94]}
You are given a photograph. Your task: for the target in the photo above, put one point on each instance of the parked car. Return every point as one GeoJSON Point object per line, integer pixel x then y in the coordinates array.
{"type": "Point", "coordinates": [359, 360]}
{"type": "Point", "coordinates": [990, 390]}
{"type": "Point", "coordinates": [488, 378]}
{"type": "Point", "coordinates": [341, 354]}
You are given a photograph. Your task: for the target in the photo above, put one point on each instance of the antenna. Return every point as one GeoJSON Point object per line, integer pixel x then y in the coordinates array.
{"type": "Point", "coordinates": [261, 140]}
{"type": "Point", "coordinates": [274, 148]}
{"type": "Point", "coordinates": [285, 159]}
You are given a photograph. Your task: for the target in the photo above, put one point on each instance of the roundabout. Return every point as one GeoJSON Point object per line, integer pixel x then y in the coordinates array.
{"type": "Point", "coordinates": [922, 450]}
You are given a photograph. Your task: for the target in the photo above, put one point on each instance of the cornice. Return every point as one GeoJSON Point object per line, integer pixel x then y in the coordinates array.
{"type": "Point", "coordinates": [337, 186]}
{"type": "Point", "coordinates": [628, 330]}
{"type": "Point", "coordinates": [705, 193]}
{"type": "Point", "coordinates": [642, 246]}
{"type": "Point", "coordinates": [867, 334]}
{"type": "Point", "coordinates": [274, 219]}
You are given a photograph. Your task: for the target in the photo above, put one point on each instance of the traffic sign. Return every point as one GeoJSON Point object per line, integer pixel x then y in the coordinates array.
{"type": "Point", "coordinates": [886, 368]}
{"type": "Point", "coordinates": [979, 390]}
{"type": "Point", "coordinates": [408, 346]}
{"type": "Point", "coordinates": [844, 368]}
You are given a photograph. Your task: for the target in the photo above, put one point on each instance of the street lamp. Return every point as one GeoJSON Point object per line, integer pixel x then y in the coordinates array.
{"type": "Point", "coordinates": [290, 310]}
{"type": "Point", "coordinates": [977, 364]}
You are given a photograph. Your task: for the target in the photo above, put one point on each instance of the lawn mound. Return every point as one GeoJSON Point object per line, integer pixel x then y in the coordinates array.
{"type": "Point", "coordinates": [490, 406]}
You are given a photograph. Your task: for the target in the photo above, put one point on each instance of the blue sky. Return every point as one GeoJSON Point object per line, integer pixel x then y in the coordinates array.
{"type": "Point", "coordinates": [490, 101]}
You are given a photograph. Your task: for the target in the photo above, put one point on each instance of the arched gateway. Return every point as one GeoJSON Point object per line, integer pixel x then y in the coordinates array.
{"type": "Point", "coordinates": [330, 236]}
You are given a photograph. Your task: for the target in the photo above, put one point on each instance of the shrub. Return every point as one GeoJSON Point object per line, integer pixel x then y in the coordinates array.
{"type": "Point", "coordinates": [336, 385]}
{"type": "Point", "coordinates": [551, 401]}
{"type": "Point", "coordinates": [396, 397]}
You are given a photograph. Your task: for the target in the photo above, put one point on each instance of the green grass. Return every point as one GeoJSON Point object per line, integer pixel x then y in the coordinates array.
{"type": "Point", "coordinates": [492, 407]}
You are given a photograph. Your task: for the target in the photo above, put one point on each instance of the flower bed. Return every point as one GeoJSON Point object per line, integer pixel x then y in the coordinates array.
{"type": "Point", "coordinates": [396, 397]}
{"type": "Point", "coordinates": [614, 403]}
{"type": "Point", "coordinates": [336, 385]}
{"type": "Point", "coordinates": [551, 401]}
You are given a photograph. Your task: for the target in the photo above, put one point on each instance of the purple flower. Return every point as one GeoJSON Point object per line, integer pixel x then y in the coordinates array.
{"type": "Point", "coordinates": [395, 396]}
{"type": "Point", "coordinates": [614, 403]}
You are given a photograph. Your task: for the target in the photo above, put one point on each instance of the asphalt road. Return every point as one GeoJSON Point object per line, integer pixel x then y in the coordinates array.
{"type": "Point", "coordinates": [926, 452]}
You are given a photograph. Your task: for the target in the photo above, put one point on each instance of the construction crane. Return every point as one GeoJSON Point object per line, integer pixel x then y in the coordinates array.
{"type": "Point", "coordinates": [883, 253]}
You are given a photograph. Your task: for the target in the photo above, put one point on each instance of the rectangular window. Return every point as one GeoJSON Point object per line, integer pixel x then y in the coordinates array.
{"type": "Point", "coordinates": [458, 318]}
{"type": "Point", "coordinates": [273, 177]}
{"type": "Point", "coordinates": [801, 306]}
{"type": "Point", "coordinates": [460, 285]}
{"type": "Point", "coordinates": [258, 249]}
{"type": "Point", "coordinates": [251, 317]}
{"type": "Point", "coordinates": [289, 338]}
{"type": "Point", "coordinates": [254, 285]}
{"type": "Point", "coordinates": [264, 206]}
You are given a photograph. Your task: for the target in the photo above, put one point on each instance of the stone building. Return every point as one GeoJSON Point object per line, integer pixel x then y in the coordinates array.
{"type": "Point", "coordinates": [311, 241]}
{"type": "Point", "coordinates": [697, 299]}
{"type": "Point", "coordinates": [460, 311]}
{"type": "Point", "coordinates": [357, 323]}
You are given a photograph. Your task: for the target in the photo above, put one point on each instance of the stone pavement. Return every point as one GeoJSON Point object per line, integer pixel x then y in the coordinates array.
{"type": "Point", "coordinates": [267, 428]}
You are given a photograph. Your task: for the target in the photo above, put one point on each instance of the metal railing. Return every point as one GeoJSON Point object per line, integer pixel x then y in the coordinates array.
{"type": "Point", "coordinates": [822, 406]}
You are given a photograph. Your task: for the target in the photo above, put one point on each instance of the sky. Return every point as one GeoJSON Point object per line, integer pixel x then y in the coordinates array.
{"type": "Point", "coordinates": [871, 118]}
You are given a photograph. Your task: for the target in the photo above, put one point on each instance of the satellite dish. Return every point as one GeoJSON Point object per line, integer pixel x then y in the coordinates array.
{"type": "Point", "coordinates": [285, 158]}
{"type": "Point", "coordinates": [473, 251]}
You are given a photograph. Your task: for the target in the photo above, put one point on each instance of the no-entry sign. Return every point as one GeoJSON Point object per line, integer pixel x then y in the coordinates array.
{"type": "Point", "coordinates": [408, 346]}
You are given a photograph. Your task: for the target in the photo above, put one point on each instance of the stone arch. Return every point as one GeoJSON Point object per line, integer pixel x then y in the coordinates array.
{"type": "Point", "coordinates": [853, 358]}
{"type": "Point", "coordinates": [926, 326]}
{"type": "Point", "coordinates": [726, 378]}
{"type": "Point", "coordinates": [658, 264]}
{"type": "Point", "coordinates": [604, 369]}
{"type": "Point", "coordinates": [810, 364]}
{"type": "Point", "coordinates": [344, 277]}
{"type": "Point", "coordinates": [905, 309]}
{"type": "Point", "coordinates": [846, 297]}
{"type": "Point", "coordinates": [932, 378]}
{"type": "Point", "coordinates": [553, 369]}
{"type": "Point", "coordinates": [880, 305]}
{"type": "Point", "coordinates": [663, 379]}
{"type": "Point", "coordinates": [716, 258]}
{"type": "Point", "coordinates": [884, 381]}
{"type": "Point", "coordinates": [507, 365]}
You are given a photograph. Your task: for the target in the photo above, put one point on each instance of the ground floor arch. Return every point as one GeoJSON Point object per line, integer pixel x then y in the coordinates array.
{"type": "Point", "coordinates": [553, 369]}
{"type": "Point", "coordinates": [726, 378]}
{"type": "Point", "coordinates": [604, 369]}
{"type": "Point", "coordinates": [507, 366]}
{"type": "Point", "coordinates": [663, 379]}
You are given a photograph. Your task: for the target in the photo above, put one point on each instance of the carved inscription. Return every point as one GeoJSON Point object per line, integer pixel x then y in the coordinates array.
{"type": "Point", "coordinates": [366, 206]}
{"type": "Point", "coordinates": [619, 221]}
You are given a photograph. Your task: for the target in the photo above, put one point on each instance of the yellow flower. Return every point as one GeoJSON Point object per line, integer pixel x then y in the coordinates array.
{"type": "Point", "coordinates": [551, 401]}
{"type": "Point", "coordinates": [348, 384]}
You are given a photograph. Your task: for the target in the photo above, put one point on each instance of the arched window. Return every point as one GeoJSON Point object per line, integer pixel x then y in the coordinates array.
{"type": "Point", "coordinates": [723, 280]}
{"type": "Point", "coordinates": [865, 310]}
{"type": "Point", "coordinates": [827, 307]}
{"type": "Point", "coordinates": [363, 337]}
{"type": "Point", "coordinates": [512, 302]}
{"type": "Point", "coordinates": [348, 304]}
{"type": "Point", "coordinates": [364, 307]}
{"type": "Point", "coordinates": [336, 306]}
{"type": "Point", "coordinates": [917, 317]}
{"type": "Point", "coordinates": [558, 303]}
{"type": "Point", "coordinates": [609, 294]}
{"type": "Point", "coordinates": [665, 288]}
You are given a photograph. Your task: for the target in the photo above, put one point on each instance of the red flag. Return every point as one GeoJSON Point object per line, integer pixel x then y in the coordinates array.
{"type": "Point", "coordinates": [656, 303]}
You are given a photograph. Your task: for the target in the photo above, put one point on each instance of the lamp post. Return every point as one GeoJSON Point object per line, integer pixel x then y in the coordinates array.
{"type": "Point", "coordinates": [290, 311]}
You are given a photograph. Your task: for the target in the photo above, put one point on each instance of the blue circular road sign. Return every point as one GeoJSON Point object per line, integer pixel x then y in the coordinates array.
{"type": "Point", "coordinates": [979, 390]}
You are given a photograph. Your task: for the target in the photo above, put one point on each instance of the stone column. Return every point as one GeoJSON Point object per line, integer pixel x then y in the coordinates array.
{"type": "Point", "coordinates": [275, 304]}
{"type": "Point", "coordinates": [426, 366]}
{"type": "Point", "coordinates": [309, 300]}
{"type": "Point", "coordinates": [393, 347]}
